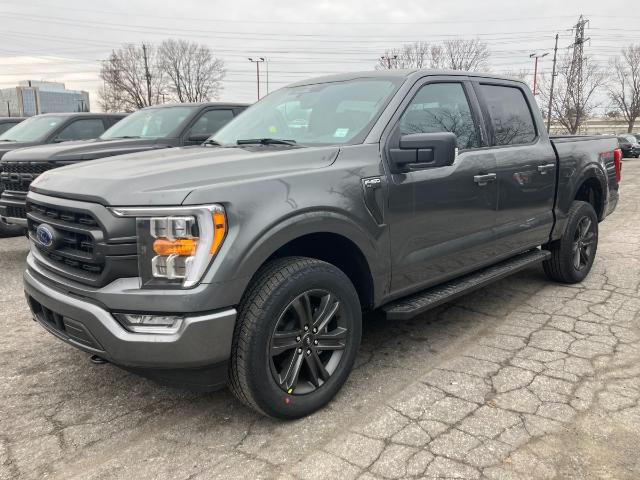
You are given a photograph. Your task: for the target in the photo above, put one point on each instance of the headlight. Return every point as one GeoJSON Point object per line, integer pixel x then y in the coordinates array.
{"type": "Point", "coordinates": [176, 245]}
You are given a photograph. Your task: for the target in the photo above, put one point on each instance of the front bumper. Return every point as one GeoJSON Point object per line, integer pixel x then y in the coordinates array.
{"type": "Point", "coordinates": [203, 339]}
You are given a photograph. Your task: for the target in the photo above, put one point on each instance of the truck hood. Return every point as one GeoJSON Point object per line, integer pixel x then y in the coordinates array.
{"type": "Point", "coordinates": [83, 150]}
{"type": "Point", "coordinates": [166, 177]}
{"type": "Point", "coordinates": [6, 147]}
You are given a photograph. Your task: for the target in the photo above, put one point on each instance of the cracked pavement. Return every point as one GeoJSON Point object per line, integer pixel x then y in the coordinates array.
{"type": "Point", "coordinates": [523, 379]}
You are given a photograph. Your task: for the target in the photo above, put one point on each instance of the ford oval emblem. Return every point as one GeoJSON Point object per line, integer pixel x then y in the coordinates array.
{"type": "Point", "coordinates": [45, 235]}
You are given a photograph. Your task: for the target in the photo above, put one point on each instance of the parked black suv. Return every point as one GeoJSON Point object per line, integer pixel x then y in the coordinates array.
{"type": "Point", "coordinates": [152, 128]}
{"type": "Point", "coordinates": [250, 262]}
{"type": "Point", "coordinates": [9, 122]}
{"type": "Point", "coordinates": [45, 129]}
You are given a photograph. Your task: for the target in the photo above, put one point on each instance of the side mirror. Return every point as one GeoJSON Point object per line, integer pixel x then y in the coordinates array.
{"type": "Point", "coordinates": [198, 138]}
{"type": "Point", "coordinates": [423, 150]}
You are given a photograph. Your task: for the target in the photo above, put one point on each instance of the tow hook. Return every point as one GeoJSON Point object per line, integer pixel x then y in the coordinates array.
{"type": "Point", "coordinates": [96, 360]}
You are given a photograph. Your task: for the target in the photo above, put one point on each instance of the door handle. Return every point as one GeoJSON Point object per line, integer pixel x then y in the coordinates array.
{"type": "Point", "coordinates": [483, 180]}
{"type": "Point", "coordinates": [543, 169]}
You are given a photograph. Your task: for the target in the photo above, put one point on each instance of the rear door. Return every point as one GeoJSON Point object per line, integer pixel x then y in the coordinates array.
{"type": "Point", "coordinates": [526, 165]}
{"type": "Point", "coordinates": [441, 219]}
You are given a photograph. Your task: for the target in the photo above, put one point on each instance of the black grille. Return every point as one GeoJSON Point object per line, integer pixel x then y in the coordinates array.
{"type": "Point", "coordinates": [17, 176]}
{"type": "Point", "coordinates": [89, 244]}
{"type": "Point", "coordinates": [16, 212]}
{"type": "Point", "coordinates": [75, 243]}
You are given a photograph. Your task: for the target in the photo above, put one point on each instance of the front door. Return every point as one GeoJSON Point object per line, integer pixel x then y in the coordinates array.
{"type": "Point", "coordinates": [441, 219]}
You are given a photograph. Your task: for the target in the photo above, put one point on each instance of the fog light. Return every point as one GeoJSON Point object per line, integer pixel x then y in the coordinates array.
{"type": "Point", "coordinates": [146, 323]}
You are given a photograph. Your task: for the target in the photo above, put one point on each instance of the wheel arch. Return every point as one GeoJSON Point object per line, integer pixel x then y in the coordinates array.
{"type": "Point", "coordinates": [326, 236]}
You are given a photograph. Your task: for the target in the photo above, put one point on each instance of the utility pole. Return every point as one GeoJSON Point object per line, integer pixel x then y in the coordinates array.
{"type": "Point", "coordinates": [257, 61]}
{"type": "Point", "coordinates": [387, 58]}
{"type": "Point", "coordinates": [536, 56]}
{"type": "Point", "coordinates": [8, 109]}
{"type": "Point", "coordinates": [553, 81]}
{"type": "Point", "coordinates": [147, 74]}
{"type": "Point", "coordinates": [267, 65]}
{"type": "Point", "coordinates": [575, 73]}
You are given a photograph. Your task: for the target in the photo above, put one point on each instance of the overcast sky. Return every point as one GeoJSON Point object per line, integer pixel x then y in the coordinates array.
{"type": "Point", "coordinates": [64, 40]}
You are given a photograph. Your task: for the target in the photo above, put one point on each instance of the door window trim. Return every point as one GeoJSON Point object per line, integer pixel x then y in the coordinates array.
{"type": "Point", "coordinates": [476, 84]}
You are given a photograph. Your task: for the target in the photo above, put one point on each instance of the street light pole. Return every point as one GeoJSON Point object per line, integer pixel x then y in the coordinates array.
{"type": "Point", "coordinates": [257, 61]}
{"type": "Point", "coordinates": [535, 69]}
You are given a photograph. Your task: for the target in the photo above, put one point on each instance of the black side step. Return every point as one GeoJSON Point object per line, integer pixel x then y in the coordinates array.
{"type": "Point", "coordinates": [417, 303]}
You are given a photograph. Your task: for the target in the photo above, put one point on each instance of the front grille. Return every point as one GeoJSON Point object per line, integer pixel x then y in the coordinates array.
{"type": "Point", "coordinates": [17, 176]}
{"type": "Point", "coordinates": [81, 248]}
{"type": "Point", "coordinates": [16, 212]}
{"type": "Point", "coordinates": [74, 245]}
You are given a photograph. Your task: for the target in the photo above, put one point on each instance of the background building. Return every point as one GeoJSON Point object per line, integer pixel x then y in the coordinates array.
{"type": "Point", "coordinates": [30, 98]}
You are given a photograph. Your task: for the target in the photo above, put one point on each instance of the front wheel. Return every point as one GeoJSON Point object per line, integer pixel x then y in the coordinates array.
{"type": "Point", "coordinates": [296, 337]}
{"type": "Point", "coordinates": [572, 256]}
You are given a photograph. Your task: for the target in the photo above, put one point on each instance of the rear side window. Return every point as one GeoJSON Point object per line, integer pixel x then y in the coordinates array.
{"type": "Point", "coordinates": [441, 107]}
{"type": "Point", "coordinates": [211, 121]}
{"type": "Point", "coordinates": [85, 129]}
{"type": "Point", "coordinates": [509, 115]}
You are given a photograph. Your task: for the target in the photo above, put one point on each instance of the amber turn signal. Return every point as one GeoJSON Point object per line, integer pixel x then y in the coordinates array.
{"type": "Point", "coordinates": [185, 247]}
{"type": "Point", "coordinates": [219, 231]}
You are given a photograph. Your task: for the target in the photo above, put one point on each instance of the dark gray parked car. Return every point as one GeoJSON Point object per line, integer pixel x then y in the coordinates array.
{"type": "Point", "coordinates": [46, 129]}
{"type": "Point", "coordinates": [250, 262]}
{"type": "Point", "coordinates": [152, 128]}
{"type": "Point", "coordinates": [9, 122]}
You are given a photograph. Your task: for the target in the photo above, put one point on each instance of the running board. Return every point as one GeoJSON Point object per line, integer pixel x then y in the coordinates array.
{"type": "Point", "coordinates": [420, 302]}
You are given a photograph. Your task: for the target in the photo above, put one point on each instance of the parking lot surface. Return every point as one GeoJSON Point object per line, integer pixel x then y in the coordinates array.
{"type": "Point", "coordinates": [523, 379]}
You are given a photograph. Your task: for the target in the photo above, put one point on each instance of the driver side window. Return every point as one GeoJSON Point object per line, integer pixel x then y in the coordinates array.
{"type": "Point", "coordinates": [441, 107]}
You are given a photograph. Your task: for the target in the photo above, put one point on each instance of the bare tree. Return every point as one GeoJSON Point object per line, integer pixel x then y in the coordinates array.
{"type": "Point", "coordinates": [456, 54]}
{"type": "Point", "coordinates": [574, 93]}
{"type": "Point", "coordinates": [461, 54]}
{"type": "Point", "coordinates": [521, 74]}
{"type": "Point", "coordinates": [132, 79]}
{"type": "Point", "coordinates": [410, 55]}
{"type": "Point", "coordinates": [193, 73]}
{"type": "Point", "coordinates": [624, 88]}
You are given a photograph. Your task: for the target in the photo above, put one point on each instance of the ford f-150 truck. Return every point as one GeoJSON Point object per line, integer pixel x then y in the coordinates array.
{"type": "Point", "coordinates": [249, 260]}
{"type": "Point", "coordinates": [151, 128]}
{"type": "Point", "coordinates": [46, 129]}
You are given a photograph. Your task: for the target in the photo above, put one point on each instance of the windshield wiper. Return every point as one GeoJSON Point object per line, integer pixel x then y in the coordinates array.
{"type": "Point", "coordinates": [266, 141]}
{"type": "Point", "coordinates": [125, 137]}
{"type": "Point", "coordinates": [212, 142]}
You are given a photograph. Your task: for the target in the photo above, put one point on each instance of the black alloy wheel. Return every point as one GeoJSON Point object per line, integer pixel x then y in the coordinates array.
{"type": "Point", "coordinates": [308, 342]}
{"type": "Point", "coordinates": [583, 242]}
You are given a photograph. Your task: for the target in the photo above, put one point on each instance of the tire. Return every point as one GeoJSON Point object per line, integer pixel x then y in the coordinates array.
{"type": "Point", "coordinates": [8, 230]}
{"type": "Point", "coordinates": [572, 255]}
{"type": "Point", "coordinates": [271, 317]}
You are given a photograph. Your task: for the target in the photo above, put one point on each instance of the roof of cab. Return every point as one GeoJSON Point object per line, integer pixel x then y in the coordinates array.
{"type": "Point", "coordinates": [199, 104]}
{"type": "Point", "coordinates": [81, 114]}
{"type": "Point", "coordinates": [409, 74]}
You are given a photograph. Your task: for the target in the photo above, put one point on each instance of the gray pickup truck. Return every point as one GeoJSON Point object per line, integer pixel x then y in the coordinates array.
{"type": "Point", "coordinates": [47, 129]}
{"type": "Point", "coordinates": [248, 261]}
{"type": "Point", "coordinates": [151, 128]}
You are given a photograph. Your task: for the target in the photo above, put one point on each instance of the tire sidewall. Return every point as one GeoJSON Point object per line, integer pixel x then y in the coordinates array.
{"type": "Point", "coordinates": [267, 393]}
{"type": "Point", "coordinates": [584, 210]}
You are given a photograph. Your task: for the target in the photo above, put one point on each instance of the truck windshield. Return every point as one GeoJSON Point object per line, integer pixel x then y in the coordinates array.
{"type": "Point", "coordinates": [320, 114]}
{"type": "Point", "coordinates": [32, 129]}
{"type": "Point", "coordinates": [150, 123]}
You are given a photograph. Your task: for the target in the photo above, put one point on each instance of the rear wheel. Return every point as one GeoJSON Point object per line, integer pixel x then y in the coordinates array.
{"type": "Point", "coordinates": [296, 337]}
{"type": "Point", "coordinates": [573, 255]}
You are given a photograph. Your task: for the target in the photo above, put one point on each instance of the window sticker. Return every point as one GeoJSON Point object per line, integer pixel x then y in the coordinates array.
{"type": "Point", "coordinates": [341, 132]}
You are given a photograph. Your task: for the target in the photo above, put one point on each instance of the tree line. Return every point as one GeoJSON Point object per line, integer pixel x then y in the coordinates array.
{"type": "Point", "coordinates": [578, 91]}
{"type": "Point", "coordinates": [137, 76]}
